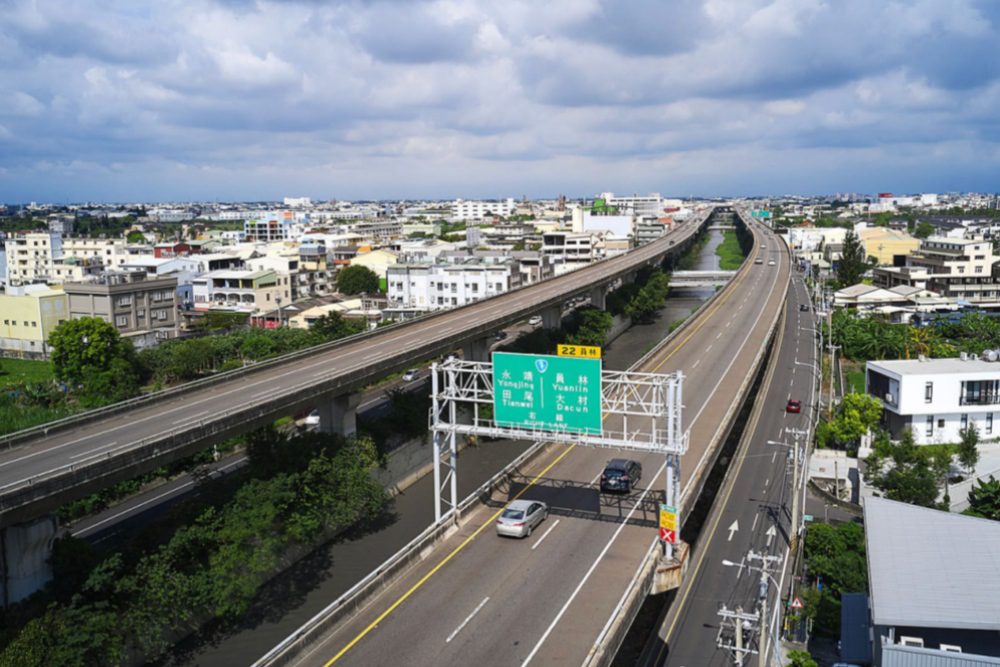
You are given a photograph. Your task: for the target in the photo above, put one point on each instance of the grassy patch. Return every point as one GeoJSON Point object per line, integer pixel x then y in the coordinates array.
{"type": "Point", "coordinates": [16, 417]}
{"type": "Point", "coordinates": [856, 381]}
{"type": "Point", "coordinates": [729, 252]}
{"type": "Point", "coordinates": [13, 371]}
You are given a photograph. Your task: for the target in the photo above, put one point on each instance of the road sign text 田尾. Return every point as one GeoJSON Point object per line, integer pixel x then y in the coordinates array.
{"type": "Point", "coordinates": [546, 392]}
{"type": "Point", "coordinates": [582, 351]}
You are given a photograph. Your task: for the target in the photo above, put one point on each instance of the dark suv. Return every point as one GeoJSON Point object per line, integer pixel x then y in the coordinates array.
{"type": "Point", "coordinates": [620, 475]}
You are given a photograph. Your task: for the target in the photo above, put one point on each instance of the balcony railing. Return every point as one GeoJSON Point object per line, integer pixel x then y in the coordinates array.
{"type": "Point", "coordinates": [985, 399]}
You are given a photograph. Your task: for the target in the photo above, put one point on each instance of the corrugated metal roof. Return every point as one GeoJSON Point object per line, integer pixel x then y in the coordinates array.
{"type": "Point", "coordinates": [932, 569]}
{"type": "Point", "coordinates": [896, 655]}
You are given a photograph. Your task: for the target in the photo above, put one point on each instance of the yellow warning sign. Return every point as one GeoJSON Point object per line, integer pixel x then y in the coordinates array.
{"type": "Point", "coordinates": [583, 351]}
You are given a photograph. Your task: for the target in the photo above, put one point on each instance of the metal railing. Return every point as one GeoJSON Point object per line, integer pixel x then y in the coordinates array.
{"type": "Point", "coordinates": [380, 577]}
{"type": "Point", "coordinates": [43, 430]}
{"type": "Point", "coordinates": [384, 574]}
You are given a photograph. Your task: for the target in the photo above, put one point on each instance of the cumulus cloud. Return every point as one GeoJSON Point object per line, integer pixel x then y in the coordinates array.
{"type": "Point", "coordinates": [381, 98]}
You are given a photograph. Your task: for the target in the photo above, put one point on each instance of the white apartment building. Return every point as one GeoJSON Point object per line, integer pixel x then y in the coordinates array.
{"type": "Point", "coordinates": [112, 253]}
{"type": "Point", "coordinates": [462, 209]}
{"type": "Point", "coordinates": [438, 286]}
{"type": "Point", "coordinates": [811, 239]}
{"type": "Point", "coordinates": [583, 221]}
{"type": "Point", "coordinates": [568, 250]}
{"type": "Point", "coordinates": [31, 255]}
{"type": "Point", "coordinates": [937, 397]}
{"type": "Point", "coordinates": [238, 290]}
{"type": "Point", "coordinates": [961, 269]}
{"type": "Point", "coordinates": [651, 204]}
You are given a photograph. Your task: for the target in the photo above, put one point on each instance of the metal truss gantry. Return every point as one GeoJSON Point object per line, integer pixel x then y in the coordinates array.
{"type": "Point", "coordinates": [641, 412]}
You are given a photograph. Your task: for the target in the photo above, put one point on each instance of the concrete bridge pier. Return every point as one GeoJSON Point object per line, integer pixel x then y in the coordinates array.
{"type": "Point", "coordinates": [599, 296]}
{"type": "Point", "coordinates": [477, 349]}
{"type": "Point", "coordinates": [340, 416]}
{"type": "Point", "coordinates": [25, 550]}
{"type": "Point", "coordinates": [552, 317]}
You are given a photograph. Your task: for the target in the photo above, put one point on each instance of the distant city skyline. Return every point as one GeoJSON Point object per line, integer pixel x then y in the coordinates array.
{"type": "Point", "coordinates": [227, 100]}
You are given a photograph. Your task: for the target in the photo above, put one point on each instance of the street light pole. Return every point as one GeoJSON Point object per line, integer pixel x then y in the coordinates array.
{"type": "Point", "coordinates": [833, 363]}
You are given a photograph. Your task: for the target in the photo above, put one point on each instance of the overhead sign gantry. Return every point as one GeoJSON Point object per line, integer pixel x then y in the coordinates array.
{"type": "Point", "coordinates": [570, 400]}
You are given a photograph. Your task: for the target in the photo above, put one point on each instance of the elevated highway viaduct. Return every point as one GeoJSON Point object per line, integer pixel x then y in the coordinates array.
{"type": "Point", "coordinates": [47, 466]}
{"type": "Point", "coordinates": [475, 598]}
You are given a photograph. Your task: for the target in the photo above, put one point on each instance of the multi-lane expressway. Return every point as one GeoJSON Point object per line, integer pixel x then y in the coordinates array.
{"type": "Point", "coordinates": [56, 465]}
{"type": "Point", "coordinates": [483, 600]}
{"type": "Point", "coordinates": [751, 512]}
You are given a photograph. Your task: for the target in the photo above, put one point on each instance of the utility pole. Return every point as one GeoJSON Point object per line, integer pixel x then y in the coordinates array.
{"type": "Point", "coordinates": [833, 363]}
{"type": "Point", "coordinates": [766, 563]}
{"type": "Point", "coordinates": [797, 478]}
{"type": "Point", "coordinates": [731, 632]}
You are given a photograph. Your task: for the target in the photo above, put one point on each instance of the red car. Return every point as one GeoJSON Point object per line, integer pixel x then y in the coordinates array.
{"type": "Point", "coordinates": [793, 406]}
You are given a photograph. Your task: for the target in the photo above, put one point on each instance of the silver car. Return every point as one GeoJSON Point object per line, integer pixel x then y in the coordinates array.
{"type": "Point", "coordinates": [520, 517]}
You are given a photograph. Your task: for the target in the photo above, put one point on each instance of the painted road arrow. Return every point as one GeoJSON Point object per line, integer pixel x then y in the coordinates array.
{"type": "Point", "coordinates": [771, 532]}
{"type": "Point", "coordinates": [732, 529]}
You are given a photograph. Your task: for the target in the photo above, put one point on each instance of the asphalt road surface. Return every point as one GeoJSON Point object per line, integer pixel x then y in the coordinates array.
{"type": "Point", "coordinates": [112, 436]}
{"type": "Point", "coordinates": [484, 600]}
{"type": "Point", "coordinates": [752, 511]}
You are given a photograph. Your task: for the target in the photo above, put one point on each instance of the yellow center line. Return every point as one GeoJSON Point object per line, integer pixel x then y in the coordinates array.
{"type": "Point", "coordinates": [444, 561]}
{"type": "Point", "coordinates": [706, 316]}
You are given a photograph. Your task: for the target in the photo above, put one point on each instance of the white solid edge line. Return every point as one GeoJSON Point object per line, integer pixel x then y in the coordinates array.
{"type": "Point", "coordinates": [546, 534]}
{"type": "Point", "coordinates": [593, 567]}
{"type": "Point", "coordinates": [467, 619]}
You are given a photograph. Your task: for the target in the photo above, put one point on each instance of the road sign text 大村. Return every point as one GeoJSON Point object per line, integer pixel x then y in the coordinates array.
{"type": "Point", "coordinates": [547, 392]}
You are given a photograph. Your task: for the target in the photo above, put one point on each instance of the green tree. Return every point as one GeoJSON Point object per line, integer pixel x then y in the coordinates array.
{"type": "Point", "coordinates": [593, 328]}
{"type": "Point", "coordinates": [91, 355]}
{"type": "Point", "coordinates": [801, 659]}
{"type": "Point", "coordinates": [135, 237]}
{"type": "Point", "coordinates": [333, 326]}
{"type": "Point", "coordinates": [650, 297]}
{"type": "Point", "coordinates": [984, 499]}
{"type": "Point", "coordinates": [968, 446]}
{"type": "Point", "coordinates": [856, 415]}
{"type": "Point", "coordinates": [923, 230]}
{"type": "Point", "coordinates": [902, 472]}
{"type": "Point", "coordinates": [853, 263]}
{"type": "Point", "coordinates": [357, 279]}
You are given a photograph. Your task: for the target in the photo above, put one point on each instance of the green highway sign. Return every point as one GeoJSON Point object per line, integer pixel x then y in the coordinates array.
{"type": "Point", "coordinates": [546, 392]}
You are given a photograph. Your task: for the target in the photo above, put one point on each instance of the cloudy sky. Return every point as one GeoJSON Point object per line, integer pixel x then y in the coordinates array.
{"type": "Point", "coordinates": [239, 100]}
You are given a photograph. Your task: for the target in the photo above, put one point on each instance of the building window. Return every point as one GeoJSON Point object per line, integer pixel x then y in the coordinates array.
{"type": "Point", "coordinates": [121, 321]}
{"type": "Point", "coordinates": [141, 312]}
{"type": "Point", "coordinates": [940, 423]}
{"type": "Point", "coordinates": [161, 314]}
{"type": "Point", "coordinates": [989, 422]}
{"type": "Point", "coordinates": [965, 420]}
{"type": "Point", "coordinates": [124, 301]}
{"type": "Point", "coordinates": [928, 392]}
{"type": "Point", "coordinates": [979, 269]}
{"type": "Point", "coordinates": [930, 425]}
